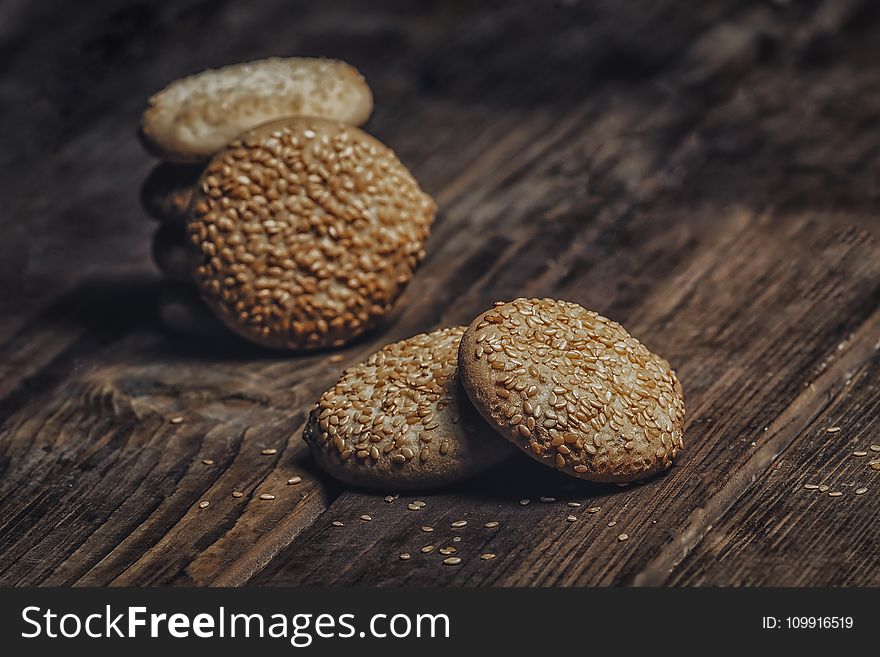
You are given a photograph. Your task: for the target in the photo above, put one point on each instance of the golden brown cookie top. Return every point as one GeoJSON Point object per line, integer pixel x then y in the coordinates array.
{"type": "Point", "coordinates": [305, 232]}
{"type": "Point", "coordinates": [573, 389]}
{"type": "Point", "coordinates": [401, 420]}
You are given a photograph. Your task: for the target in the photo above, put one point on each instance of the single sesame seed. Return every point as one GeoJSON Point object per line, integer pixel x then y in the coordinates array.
{"type": "Point", "coordinates": [237, 493]}
{"type": "Point", "coordinates": [336, 358]}
{"type": "Point", "coordinates": [571, 518]}
{"type": "Point", "coordinates": [875, 465]}
{"type": "Point", "coordinates": [811, 486]}
{"type": "Point", "coordinates": [413, 507]}
{"type": "Point", "coordinates": [269, 451]}
{"type": "Point", "coordinates": [623, 537]}
{"type": "Point", "coordinates": [452, 561]}
{"type": "Point", "coordinates": [547, 500]}
{"type": "Point", "coordinates": [524, 501]}
{"type": "Point", "coordinates": [267, 496]}
{"type": "Point", "coordinates": [458, 523]}
{"type": "Point", "coordinates": [427, 528]}
{"type": "Point", "coordinates": [405, 556]}
{"type": "Point", "coordinates": [612, 523]}
{"type": "Point", "coordinates": [594, 509]}
{"type": "Point", "coordinates": [176, 420]}
{"type": "Point", "coordinates": [336, 523]}
{"type": "Point", "coordinates": [860, 453]}
{"type": "Point", "coordinates": [294, 480]}
{"type": "Point", "coordinates": [823, 488]}
{"type": "Point", "coordinates": [366, 517]}
{"type": "Point", "coordinates": [832, 429]}
{"type": "Point", "coordinates": [389, 498]}
{"type": "Point", "coordinates": [487, 556]}
{"type": "Point", "coordinates": [491, 525]}
{"type": "Point", "coordinates": [427, 549]}
{"type": "Point", "coordinates": [574, 505]}
{"type": "Point", "coordinates": [835, 493]}
{"type": "Point", "coordinates": [874, 448]}
{"type": "Point", "coordinates": [208, 461]}
{"type": "Point", "coordinates": [447, 550]}
{"type": "Point", "coordinates": [204, 504]}
{"type": "Point", "coordinates": [861, 491]}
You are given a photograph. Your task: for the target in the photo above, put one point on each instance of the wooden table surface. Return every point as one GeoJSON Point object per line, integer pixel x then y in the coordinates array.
{"type": "Point", "coordinates": [708, 174]}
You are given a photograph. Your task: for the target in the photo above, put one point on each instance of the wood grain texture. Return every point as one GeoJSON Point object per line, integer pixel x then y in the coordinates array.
{"type": "Point", "coordinates": [706, 176]}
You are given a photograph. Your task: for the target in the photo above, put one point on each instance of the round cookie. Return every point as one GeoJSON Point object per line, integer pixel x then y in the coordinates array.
{"type": "Point", "coordinates": [573, 389]}
{"type": "Point", "coordinates": [194, 117]}
{"type": "Point", "coordinates": [305, 232]}
{"type": "Point", "coordinates": [170, 253]}
{"type": "Point", "coordinates": [400, 420]}
{"type": "Point", "coordinates": [167, 191]}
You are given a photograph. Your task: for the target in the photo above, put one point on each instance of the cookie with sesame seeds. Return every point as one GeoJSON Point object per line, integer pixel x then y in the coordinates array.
{"type": "Point", "coordinates": [573, 389]}
{"type": "Point", "coordinates": [167, 192]}
{"type": "Point", "coordinates": [194, 117]}
{"type": "Point", "coordinates": [400, 420]}
{"type": "Point", "coordinates": [305, 232]}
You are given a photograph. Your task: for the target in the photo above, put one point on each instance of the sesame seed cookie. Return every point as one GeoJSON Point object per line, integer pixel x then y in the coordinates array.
{"type": "Point", "coordinates": [193, 118]}
{"type": "Point", "coordinates": [573, 389]}
{"type": "Point", "coordinates": [400, 420]}
{"type": "Point", "coordinates": [305, 232]}
{"type": "Point", "coordinates": [167, 191]}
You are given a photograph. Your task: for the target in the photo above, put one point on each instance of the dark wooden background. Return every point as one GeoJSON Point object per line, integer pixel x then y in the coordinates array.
{"type": "Point", "coordinates": [706, 173]}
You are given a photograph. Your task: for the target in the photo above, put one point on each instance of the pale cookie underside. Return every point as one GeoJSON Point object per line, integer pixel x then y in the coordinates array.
{"type": "Point", "coordinates": [573, 389]}
{"type": "Point", "coordinates": [194, 117]}
{"type": "Point", "coordinates": [400, 420]}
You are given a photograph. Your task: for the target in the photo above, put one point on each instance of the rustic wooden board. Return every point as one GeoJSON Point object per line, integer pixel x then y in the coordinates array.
{"type": "Point", "coordinates": [705, 176]}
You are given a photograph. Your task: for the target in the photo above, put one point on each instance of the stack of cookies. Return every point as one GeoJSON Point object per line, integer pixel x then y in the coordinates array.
{"type": "Point", "coordinates": [563, 384]}
{"type": "Point", "coordinates": [278, 216]}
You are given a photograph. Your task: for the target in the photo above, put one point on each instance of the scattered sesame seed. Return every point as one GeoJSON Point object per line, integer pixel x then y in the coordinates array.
{"type": "Point", "coordinates": [612, 523]}
{"type": "Point", "coordinates": [237, 493]}
{"type": "Point", "coordinates": [594, 509]}
{"type": "Point", "coordinates": [389, 498]}
{"type": "Point", "coordinates": [623, 537]}
{"type": "Point", "coordinates": [447, 550]}
{"type": "Point", "coordinates": [491, 525]}
{"type": "Point", "coordinates": [335, 358]}
{"type": "Point", "coordinates": [204, 504]}
{"type": "Point", "coordinates": [574, 505]}
{"type": "Point", "coordinates": [176, 420]}
{"type": "Point", "coordinates": [267, 496]}
{"type": "Point", "coordinates": [269, 451]}
{"type": "Point", "coordinates": [861, 491]}
{"type": "Point", "coordinates": [336, 523]}
{"type": "Point", "coordinates": [823, 488]}
{"type": "Point", "coordinates": [208, 461]}
{"type": "Point", "coordinates": [427, 528]}
{"type": "Point", "coordinates": [366, 518]}
{"type": "Point", "coordinates": [811, 486]}
{"type": "Point", "coordinates": [547, 500]}
{"type": "Point", "coordinates": [874, 448]}
{"type": "Point", "coordinates": [413, 507]}
{"type": "Point", "coordinates": [835, 493]}
{"type": "Point", "coordinates": [832, 429]}
{"type": "Point", "coordinates": [875, 465]}
{"type": "Point", "coordinates": [487, 556]}
{"type": "Point", "coordinates": [405, 556]}
{"type": "Point", "coordinates": [524, 502]}
{"type": "Point", "coordinates": [294, 480]}
{"type": "Point", "coordinates": [459, 523]}
{"type": "Point", "coordinates": [427, 549]}
{"type": "Point", "coordinates": [452, 561]}
{"type": "Point", "coordinates": [571, 518]}
{"type": "Point", "coordinates": [456, 539]}
{"type": "Point", "coordinates": [622, 484]}
{"type": "Point", "coordinates": [860, 453]}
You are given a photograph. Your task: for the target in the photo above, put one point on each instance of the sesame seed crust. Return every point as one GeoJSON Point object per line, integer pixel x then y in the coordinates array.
{"type": "Point", "coordinates": [573, 390]}
{"type": "Point", "coordinates": [305, 232]}
{"type": "Point", "coordinates": [401, 420]}
{"type": "Point", "coordinates": [194, 117]}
